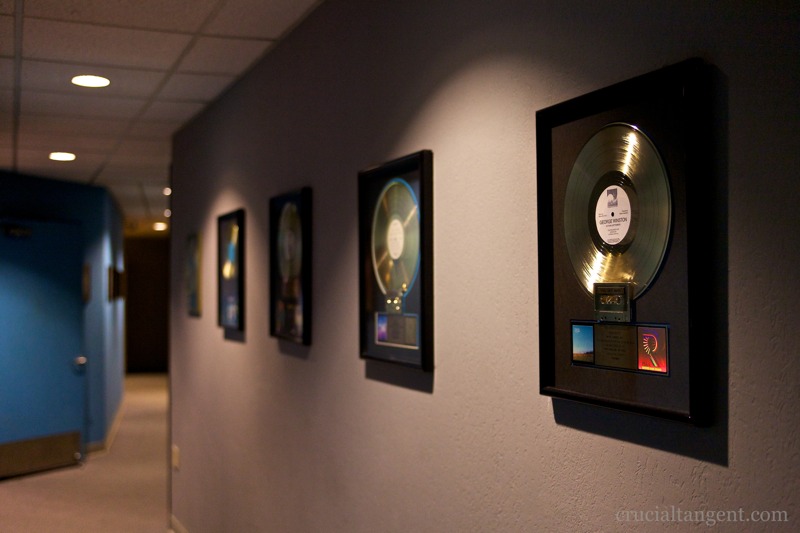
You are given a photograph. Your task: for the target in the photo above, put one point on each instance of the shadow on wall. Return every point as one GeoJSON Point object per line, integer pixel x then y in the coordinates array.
{"type": "Point", "coordinates": [410, 378]}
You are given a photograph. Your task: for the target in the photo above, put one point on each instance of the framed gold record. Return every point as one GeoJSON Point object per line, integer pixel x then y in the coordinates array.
{"type": "Point", "coordinates": [621, 174]}
{"type": "Point", "coordinates": [230, 270]}
{"type": "Point", "coordinates": [396, 266]}
{"type": "Point", "coordinates": [290, 266]}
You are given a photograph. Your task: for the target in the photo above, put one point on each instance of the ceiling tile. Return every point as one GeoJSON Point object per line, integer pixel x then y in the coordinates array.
{"type": "Point", "coordinates": [131, 197]}
{"type": "Point", "coordinates": [126, 192]}
{"type": "Point", "coordinates": [138, 147]}
{"type": "Point", "coordinates": [6, 73]}
{"type": "Point", "coordinates": [213, 55]}
{"type": "Point", "coordinates": [197, 87]}
{"type": "Point", "coordinates": [59, 143]}
{"type": "Point", "coordinates": [35, 162]}
{"type": "Point", "coordinates": [172, 15]}
{"type": "Point", "coordinates": [152, 164]}
{"type": "Point", "coordinates": [155, 194]}
{"type": "Point", "coordinates": [155, 129]}
{"type": "Point", "coordinates": [158, 206]}
{"type": "Point", "coordinates": [122, 134]}
{"type": "Point", "coordinates": [6, 36]}
{"type": "Point", "coordinates": [5, 133]}
{"type": "Point", "coordinates": [177, 111]}
{"type": "Point", "coordinates": [99, 45]}
{"type": "Point", "coordinates": [71, 125]}
{"type": "Point", "coordinates": [85, 106]}
{"type": "Point", "coordinates": [49, 76]}
{"type": "Point", "coordinates": [259, 19]}
{"type": "Point", "coordinates": [6, 104]}
{"type": "Point", "coordinates": [136, 219]}
{"type": "Point", "coordinates": [120, 174]}
{"type": "Point", "coordinates": [6, 140]}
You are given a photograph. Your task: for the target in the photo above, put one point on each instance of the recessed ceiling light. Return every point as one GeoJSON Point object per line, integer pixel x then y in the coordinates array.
{"type": "Point", "coordinates": [167, 191]}
{"type": "Point", "coordinates": [167, 213]}
{"type": "Point", "coordinates": [62, 156]}
{"type": "Point", "coordinates": [90, 80]}
{"type": "Point", "coordinates": [160, 226]}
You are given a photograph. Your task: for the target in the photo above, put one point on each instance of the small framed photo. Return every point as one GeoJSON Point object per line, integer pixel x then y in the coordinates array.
{"type": "Point", "coordinates": [396, 261]}
{"type": "Point", "coordinates": [290, 266]}
{"type": "Point", "coordinates": [230, 270]}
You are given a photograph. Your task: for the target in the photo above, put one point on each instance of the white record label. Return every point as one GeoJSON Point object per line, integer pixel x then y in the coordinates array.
{"type": "Point", "coordinates": [613, 214]}
{"type": "Point", "coordinates": [395, 238]}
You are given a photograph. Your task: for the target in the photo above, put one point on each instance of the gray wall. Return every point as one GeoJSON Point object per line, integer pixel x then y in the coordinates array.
{"type": "Point", "coordinates": [274, 437]}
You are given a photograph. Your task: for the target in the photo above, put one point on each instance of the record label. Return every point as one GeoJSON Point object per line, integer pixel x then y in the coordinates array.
{"type": "Point", "coordinates": [613, 215]}
{"type": "Point", "coordinates": [395, 239]}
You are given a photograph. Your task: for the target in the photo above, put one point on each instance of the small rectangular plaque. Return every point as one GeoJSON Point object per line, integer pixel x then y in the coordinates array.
{"type": "Point", "coordinates": [396, 329]}
{"type": "Point", "coordinates": [615, 346]}
{"type": "Point", "coordinates": [612, 302]}
{"type": "Point", "coordinates": [639, 347]}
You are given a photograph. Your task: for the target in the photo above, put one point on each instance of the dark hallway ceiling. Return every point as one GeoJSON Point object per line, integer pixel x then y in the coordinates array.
{"type": "Point", "coordinates": [166, 59]}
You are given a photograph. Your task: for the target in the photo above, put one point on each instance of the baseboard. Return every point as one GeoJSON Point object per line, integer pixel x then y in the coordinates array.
{"type": "Point", "coordinates": [105, 445]}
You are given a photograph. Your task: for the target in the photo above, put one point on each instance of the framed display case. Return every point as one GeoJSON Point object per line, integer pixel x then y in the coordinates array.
{"type": "Point", "coordinates": [622, 182]}
{"type": "Point", "coordinates": [396, 261]}
{"type": "Point", "coordinates": [230, 270]}
{"type": "Point", "coordinates": [290, 266]}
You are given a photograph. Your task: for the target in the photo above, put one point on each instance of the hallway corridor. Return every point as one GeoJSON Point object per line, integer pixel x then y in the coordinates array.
{"type": "Point", "coordinates": [122, 489]}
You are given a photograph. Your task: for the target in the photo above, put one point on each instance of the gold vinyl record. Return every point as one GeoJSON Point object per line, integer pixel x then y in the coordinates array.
{"type": "Point", "coordinates": [396, 238]}
{"type": "Point", "coordinates": [617, 210]}
{"type": "Point", "coordinates": [290, 242]}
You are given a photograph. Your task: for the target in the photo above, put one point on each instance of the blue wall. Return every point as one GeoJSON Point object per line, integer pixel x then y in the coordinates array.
{"type": "Point", "coordinates": [103, 335]}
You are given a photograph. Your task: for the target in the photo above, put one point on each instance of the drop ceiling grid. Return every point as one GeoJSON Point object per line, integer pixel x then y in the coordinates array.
{"type": "Point", "coordinates": [180, 16]}
{"type": "Point", "coordinates": [167, 60]}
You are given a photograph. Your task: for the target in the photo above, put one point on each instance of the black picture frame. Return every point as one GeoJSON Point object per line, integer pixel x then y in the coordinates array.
{"type": "Point", "coordinates": [290, 266]}
{"type": "Point", "coordinates": [672, 106]}
{"type": "Point", "coordinates": [395, 202]}
{"type": "Point", "coordinates": [231, 270]}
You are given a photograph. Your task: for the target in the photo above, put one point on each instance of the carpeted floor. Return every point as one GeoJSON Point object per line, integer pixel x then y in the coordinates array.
{"type": "Point", "coordinates": [119, 490]}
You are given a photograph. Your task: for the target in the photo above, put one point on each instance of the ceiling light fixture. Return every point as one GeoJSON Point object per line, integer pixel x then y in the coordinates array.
{"type": "Point", "coordinates": [90, 80]}
{"type": "Point", "coordinates": [167, 213]}
{"type": "Point", "coordinates": [160, 226]}
{"type": "Point", "coordinates": [167, 191]}
{"type": "Point", "coordinates": [62, 156]}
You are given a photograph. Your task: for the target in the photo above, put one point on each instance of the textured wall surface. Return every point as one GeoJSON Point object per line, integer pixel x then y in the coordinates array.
{"type": "Point", "coordinates": [276, 437]}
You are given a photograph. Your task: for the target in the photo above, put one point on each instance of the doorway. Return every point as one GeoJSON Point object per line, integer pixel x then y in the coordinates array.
{"type": "Point", "coordinates": [43, 388]}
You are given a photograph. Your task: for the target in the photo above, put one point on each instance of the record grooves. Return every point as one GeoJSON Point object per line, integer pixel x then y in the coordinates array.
{"type": "Point", "coordinates": [617, 210]}
{"type": "Point", "coordinates": [395, 239]}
